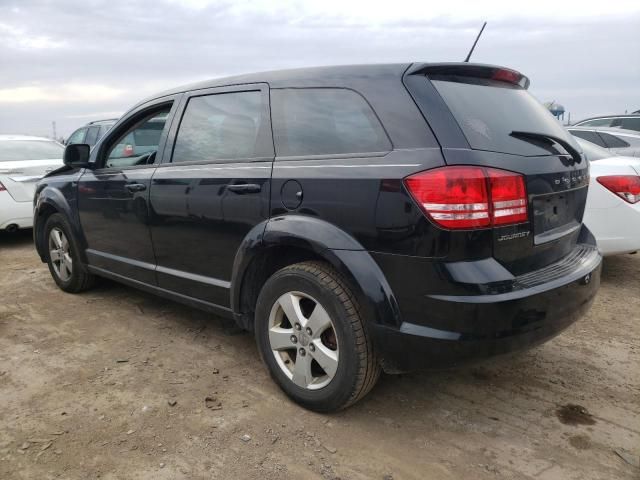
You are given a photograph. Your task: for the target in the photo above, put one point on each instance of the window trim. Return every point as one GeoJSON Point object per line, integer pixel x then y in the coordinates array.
{"type": "Point", "coordinates": [265, 128]}
{"type": "Point", "coordinates": [126, 123]}
{"type": "Point", "coordinates": [328, 156]}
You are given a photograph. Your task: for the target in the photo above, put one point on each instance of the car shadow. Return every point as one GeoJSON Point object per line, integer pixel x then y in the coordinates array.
{"type": "Point", "coordinates": [16, 239]}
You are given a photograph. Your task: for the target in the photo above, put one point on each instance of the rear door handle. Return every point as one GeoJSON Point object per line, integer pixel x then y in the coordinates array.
{"type": "Point", "coordinates": [245, 188]}
{"type": "Point", "coordinates": [135, 187]}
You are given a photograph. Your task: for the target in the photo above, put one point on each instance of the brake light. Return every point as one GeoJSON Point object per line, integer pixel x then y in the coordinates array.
{"type": "Point", "coordinates": [626, 187]}
{"type": "Point", "coordinates": [2, 187]}
{"type": "Point", "coordinates": [470, 197]}
{"type": "Point", "coordinates": [508, 76]}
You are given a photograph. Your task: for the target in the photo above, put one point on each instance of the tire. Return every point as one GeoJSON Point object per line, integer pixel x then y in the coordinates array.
{"type": "Point", "coordinates": [72, 276]}
{"type": "Point", "coordinates": [349, 367]}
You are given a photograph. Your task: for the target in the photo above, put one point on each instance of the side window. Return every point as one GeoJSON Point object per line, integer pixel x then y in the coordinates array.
{"type": "Point", "coordinates": [324, 121]}
{"type": "Point", "coordinates": [631, 123]}
{"type": "Point", "coordinates": [92, 136]}
{"type": "Point", "coordinates": [139, 144]}
{"type": "Point", "coordinates": [598, 122]}
{"type": "Point", "coordinates": [612, 141]}
{"type": "Point", "coordinates": [77, 136]}
{"type": "Point", "coordinates": [223, 126]}
{"type": "Point", "coordinates": [592, 137]}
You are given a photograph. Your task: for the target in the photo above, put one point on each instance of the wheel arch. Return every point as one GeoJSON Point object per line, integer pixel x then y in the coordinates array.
{"type": "Point", "coordinates": [50, 201]}
{"type": "Point", "coordinates": [290, 239]}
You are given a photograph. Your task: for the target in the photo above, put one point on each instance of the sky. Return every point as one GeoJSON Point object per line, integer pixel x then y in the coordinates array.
{"type": "Point", "coordinates": [76, 61]}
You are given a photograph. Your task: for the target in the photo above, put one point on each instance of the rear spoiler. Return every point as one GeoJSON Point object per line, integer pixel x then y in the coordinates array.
{"type": "Point", "coordinates": [489, 72]}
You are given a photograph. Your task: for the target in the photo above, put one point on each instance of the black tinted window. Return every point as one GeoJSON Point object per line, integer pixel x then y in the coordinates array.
{"type": "Point", "coordinates": [592, 137]}
{"type": "Point", "coordinates": [224, 126]}
{"type": "Point", "coordinates": [488, 112]}
{"type": "Point", "coordinates": [139, 144]}
{"type": "Point", "coordinates": [323, 121]}
{"type": "Point", "coordinates": [612, 141]}
{"type": "Point", "coordinates": [92, 136]}
{"type": "Point", "coordinates": [631, 123]}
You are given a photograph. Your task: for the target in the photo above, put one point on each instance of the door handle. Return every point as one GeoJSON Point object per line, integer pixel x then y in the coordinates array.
{"type": "Point", "coordinates": [244, 188]}
{"type": "Point", "coordinates": [135, 187]}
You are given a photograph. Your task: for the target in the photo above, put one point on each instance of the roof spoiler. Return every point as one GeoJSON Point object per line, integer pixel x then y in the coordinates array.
{"type": "Point", "coordinates": [489, 72]}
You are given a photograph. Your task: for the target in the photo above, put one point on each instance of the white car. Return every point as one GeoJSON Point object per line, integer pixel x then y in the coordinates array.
{"type": "Point", "coordinates": [23, 161]}
{"type": "Point", "coordinates": [613, 203]}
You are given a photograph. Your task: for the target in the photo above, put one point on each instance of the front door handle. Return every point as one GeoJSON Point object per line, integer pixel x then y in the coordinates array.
{"type": "Point", "coordinates": [135, 187]}
{"type": "Point", "coordinates": [244, 188]}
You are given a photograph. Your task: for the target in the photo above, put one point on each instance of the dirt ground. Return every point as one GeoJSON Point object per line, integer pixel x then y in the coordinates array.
{"type": "Point", "coordinates": [87, 384]}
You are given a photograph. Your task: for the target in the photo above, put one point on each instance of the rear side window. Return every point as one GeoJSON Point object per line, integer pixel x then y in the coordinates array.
{"type": "Point", "coordinates": [592, 137]}
{"type": "Point", "coordinates": [488, 111]}
{"type": "Point", "coordinates": [612, 141]}
{"type": "Point", "coordinates": [223, 126]}
{"type": "Point", "coordinates": [92, 136]}
{"type": "Point", "coordinates": [325, 121]}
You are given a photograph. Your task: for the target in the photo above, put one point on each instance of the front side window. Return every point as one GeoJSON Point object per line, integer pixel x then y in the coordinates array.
{"type": "Point", "coordinates": [325, 121]}
{"type": "Point", "coordinates": [77, 136]}
{"type": "Point", "coordinates": [222, 126]}
{"type": "Point", "coordinates": [631, 123]}
{"type": "Point", "coordinates": [139, 144]}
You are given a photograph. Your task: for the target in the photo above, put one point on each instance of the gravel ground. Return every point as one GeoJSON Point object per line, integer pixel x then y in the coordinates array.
{"type": "Point", "coordinates": [114, 383]}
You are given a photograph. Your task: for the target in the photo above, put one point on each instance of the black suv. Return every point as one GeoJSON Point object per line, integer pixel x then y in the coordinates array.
{"type": "Point", "coordinates": [356, 218]}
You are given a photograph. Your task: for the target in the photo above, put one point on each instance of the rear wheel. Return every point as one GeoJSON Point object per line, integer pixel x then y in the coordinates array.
{"type": "Point", "coordinates": [63, 258]}
{"type": "Point", "coordinates": [311, 336]}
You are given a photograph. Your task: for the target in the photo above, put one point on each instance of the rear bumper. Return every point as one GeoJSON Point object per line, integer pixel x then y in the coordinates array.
{"type": "Point", "coordinates": [15, 213]}
{"type": "Point", "coordinates": [617, 229]}
{"type": "Point", "coordinates": [447, 330]}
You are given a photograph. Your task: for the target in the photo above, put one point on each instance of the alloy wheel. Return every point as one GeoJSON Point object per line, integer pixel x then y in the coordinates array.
{"type": "Point", "coordinates": [60, 254]}
{"type": "Point", "coordinates": [303, 340]}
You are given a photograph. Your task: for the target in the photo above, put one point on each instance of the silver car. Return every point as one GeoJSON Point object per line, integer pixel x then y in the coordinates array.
{"type": "Point", "coordinates": [626, 122]}
{"type": "Point", "coordinates": [616, 140]}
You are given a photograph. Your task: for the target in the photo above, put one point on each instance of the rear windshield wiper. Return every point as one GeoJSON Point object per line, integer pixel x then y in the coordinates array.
{"type": "Point", "coordinates": [551, 139]}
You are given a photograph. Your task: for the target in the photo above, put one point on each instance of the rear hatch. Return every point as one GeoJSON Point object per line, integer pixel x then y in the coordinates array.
{"type": "Point", "coordinates": [24, 162]}
{"type": "Point", "coordinates": [484, 116]}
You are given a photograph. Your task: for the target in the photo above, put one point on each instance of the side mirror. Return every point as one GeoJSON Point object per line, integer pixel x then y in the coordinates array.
{"type": "Point", "coordinates": [76, 155]}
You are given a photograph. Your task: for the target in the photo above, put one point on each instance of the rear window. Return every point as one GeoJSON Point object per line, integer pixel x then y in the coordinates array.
{"type": "Point", "coordinates": [16, 150]}
{"type": "Point", "coordinates": [598, 122]}
{"type": "Point", "coordinates": [488, 111]}
{"type": "Point", "coordinates": [325, 121]}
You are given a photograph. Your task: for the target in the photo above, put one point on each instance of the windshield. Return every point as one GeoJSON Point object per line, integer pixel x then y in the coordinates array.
{"type": "Point", "coordinates": [488, 111]}
{"type": "Point", "coordinates": [592, 151]}
{"type": "Point", "coordinates": [16, 150]}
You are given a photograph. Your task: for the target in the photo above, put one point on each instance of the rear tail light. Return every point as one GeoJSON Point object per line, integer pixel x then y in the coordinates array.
{"type": "Point", "coordinates": [128, 150]}
{"type": "Point", "coordinates": [470, 197]}
{"type": "Point", "coordinates": [626, 187]}
{"type": "Point", "coordinates": [2, 187]}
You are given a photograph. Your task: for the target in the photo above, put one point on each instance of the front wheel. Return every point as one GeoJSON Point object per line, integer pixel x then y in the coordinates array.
{"type": "Point", "coordinates": [63, 257]}
{"type": "Point", "coordinates": [312, 337]}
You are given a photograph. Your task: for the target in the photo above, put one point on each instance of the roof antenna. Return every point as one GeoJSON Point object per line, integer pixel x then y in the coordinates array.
{"type": "Point", "coordinates": [474, 43]}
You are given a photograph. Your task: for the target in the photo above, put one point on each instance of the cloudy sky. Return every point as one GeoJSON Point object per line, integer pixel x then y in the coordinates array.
{"type": "Point", "coordinates": [76, 61]}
